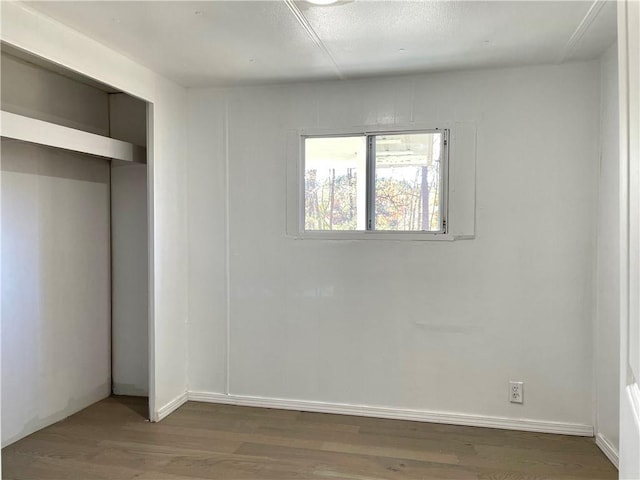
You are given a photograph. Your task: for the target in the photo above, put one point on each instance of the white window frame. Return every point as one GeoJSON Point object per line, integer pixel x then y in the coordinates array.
{"type": "Point", "coordinates": [461, 179]}
{"type": "Point", "coordinates": [369, 134]}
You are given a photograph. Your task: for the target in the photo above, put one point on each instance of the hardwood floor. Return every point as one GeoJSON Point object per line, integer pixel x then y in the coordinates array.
{"type": "Point", "coordinates": [112, 440]}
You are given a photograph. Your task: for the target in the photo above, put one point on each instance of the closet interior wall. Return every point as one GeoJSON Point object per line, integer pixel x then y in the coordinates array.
{"type": "Point", "coordinates": [74, 250]}
{"type": "Point", "coordinates": [129, 252]}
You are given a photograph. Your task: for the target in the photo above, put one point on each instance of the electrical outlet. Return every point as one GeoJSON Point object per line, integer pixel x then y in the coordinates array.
{"type": "Point", "coordinates": [516, 392]}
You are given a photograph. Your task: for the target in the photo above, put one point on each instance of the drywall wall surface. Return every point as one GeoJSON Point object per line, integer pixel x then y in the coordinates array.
{"type": "Point", "coordinates": [170, 243]}
{"type": "Point", "coordinates": [35, 33]}
{"type": "Point", "coordinates": [127, 119]}
{"type": "Point", "coordinates": [37, 93]}
{"type": "Point", "coordinates": [207, 255]}
{"type": "Point", "coordinates": [130, 252]}
{"type": "Point", "coordinates": [130, 286]}
{"type": "Point", "coordinates": [56, 286]}
{"type": "Point", "coordinates": [435, 326]}
{"type": "Point", "coordinates": [26, 29]}
{"type": "Point", "coordinates": [607, 336]}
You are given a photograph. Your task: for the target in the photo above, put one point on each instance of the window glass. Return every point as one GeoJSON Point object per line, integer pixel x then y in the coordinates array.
{"type": "Point", "coordinates": [408, 182]}
{"type": "Point", "coordinates": [335, 183]}
{"type": "Point", "coordinates": [387, 182]}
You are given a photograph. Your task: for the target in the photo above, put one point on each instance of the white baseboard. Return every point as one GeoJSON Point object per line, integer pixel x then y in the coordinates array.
{"type": "Point", "coordinates": [607, 448]}
{"type": "Point", "coordinates": [398, 414]}
{"type": "Point", "coordinates": [170, 407]}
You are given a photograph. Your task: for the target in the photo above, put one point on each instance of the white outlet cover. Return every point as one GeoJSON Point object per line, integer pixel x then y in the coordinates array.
{"type": "Point", "coordinates": [516, 392]}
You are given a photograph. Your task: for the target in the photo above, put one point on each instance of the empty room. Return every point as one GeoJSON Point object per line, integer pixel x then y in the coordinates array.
{"type": "Point", "coordinates": [320, 239]}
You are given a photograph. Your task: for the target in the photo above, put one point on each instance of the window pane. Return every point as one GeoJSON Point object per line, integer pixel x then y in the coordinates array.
{"type": "Point", "coordinates": [408, 186]}
{"type": "Point", "coordinates": [335, 183]}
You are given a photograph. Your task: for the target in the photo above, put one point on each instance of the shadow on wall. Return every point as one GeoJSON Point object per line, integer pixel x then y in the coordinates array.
{"type": "Point", "coordinates": [55, 286]}
{"type": "Point", "coordinates": [74, 405]}
{"type": "Point", "coordinates": [58, 163]}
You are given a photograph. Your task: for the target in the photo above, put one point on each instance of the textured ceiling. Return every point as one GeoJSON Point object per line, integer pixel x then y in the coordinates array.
{"type": "Point", "coordinates": [206, 43]}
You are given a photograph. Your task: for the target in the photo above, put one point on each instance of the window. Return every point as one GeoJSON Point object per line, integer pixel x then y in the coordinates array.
{"type": "Point", "coordinates": [389, 182]}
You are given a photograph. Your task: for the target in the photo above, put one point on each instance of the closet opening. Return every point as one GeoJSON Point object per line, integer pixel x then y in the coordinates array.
{"type": "Point", "coordinates": [75, 244]}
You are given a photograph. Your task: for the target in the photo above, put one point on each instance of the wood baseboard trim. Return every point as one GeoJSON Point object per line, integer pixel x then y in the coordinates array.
{"type": "Point", "coordinates": [397, 414]}
{"type": "Point", "coordinates": [171, 407]}
{"type": "Point", "coordinates": [607, 448]}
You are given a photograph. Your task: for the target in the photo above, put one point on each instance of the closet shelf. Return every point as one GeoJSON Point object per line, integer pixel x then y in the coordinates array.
{"type": "Point", "coordinates": [31, 130]}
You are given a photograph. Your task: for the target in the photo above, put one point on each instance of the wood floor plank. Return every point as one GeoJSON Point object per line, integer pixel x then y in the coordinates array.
{"type": "Point", "coordinates": [358, 465]}
{"type": "Point", "coordinates": [234, 439]}
{"type": "Point", "coordinates": [373, 440]}
{"type": "Point", "coordinates": [112, 440]}
{"type": "Point", "coordinates": [392, 452]}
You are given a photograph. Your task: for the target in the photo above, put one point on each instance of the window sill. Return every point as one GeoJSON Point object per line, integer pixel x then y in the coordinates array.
{"type": "Point", "coordinates": [365, 235]}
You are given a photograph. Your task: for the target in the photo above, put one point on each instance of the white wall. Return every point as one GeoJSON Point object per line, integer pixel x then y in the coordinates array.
{"type": "Point", "coordinates": [128, 119]}
{"type": "Point", "coordinates": [607, 335]}
{"type": "Point", "coordinates": [56, 286]}
{"type": "Point", "coordinates": [130, 325]}
{"type": "Point", "coordinates": [432, 326]}
{"type": "Point", "coordinates": [129, 252]}
{"type": "Point", "coordinates": [629, 120]}
{"type": "Point", "coordinates": [207, 241]}
{"type": "Point", "coordinates": [169, 227]}
{"type": "Point", "coordinates": [37, 93]}
{"type": "Point", "coordinates": [40, 35]}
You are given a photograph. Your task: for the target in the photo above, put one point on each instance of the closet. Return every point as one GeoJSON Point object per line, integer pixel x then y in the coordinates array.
{"type": "Point", "coordinates": [74, 244]}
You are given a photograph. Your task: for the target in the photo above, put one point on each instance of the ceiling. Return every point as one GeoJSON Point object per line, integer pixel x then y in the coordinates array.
{"type": "Point", "coordinates": [216, 43]}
